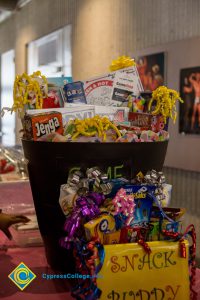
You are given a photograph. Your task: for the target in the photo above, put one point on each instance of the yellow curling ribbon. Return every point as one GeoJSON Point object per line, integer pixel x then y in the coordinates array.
{"type": "Point", "coordinates": [29, 89]}
{"type": "Point", "coordinates": [90, 127]}
{"type": "Point", "coordinates": [165, 103]}
{"type": "Point", "coordinates": [122, 62]}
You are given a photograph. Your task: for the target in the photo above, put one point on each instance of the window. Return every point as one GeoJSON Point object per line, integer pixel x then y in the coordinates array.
{"type": "Point", "coordinates": [7, 128]}
{"type": "Point", "coordinates": [51, 54]}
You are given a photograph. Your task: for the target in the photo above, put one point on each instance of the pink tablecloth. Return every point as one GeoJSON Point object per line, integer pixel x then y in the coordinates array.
{"type": "Point", "coordinates": [39, 288]}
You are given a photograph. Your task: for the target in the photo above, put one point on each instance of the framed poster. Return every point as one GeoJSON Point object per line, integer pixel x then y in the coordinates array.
{"type": "Point", "coordinates": [189, 120]}
{"type": "Point", "coordinates": [151, 69]}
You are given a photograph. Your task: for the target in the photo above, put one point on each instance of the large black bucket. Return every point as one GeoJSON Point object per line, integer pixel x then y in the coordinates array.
{"type": "Point", "coordinates": [49, 164]}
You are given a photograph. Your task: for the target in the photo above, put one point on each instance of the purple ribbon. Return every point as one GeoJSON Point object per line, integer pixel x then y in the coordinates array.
{"type": "Point", "coordinates": [86, 208]}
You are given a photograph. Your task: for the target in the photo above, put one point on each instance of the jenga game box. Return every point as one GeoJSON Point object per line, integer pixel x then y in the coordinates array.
{"type": "Point", "coordinates": [37, 125]}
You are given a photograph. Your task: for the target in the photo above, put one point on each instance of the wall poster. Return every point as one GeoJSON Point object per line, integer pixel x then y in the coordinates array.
{"type": "Point", "coordinates": [151, 69]}
{"type": "Point", "coordinates": [189, 121]}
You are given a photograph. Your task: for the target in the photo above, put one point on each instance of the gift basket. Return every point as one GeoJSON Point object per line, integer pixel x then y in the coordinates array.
{"type": "Point", "coordinates": [95, 158]}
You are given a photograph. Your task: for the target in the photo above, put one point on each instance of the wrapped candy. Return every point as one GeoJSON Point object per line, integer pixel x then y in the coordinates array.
{"type": "Point", "coordinates": [148, 135]}
{"type": "Point", "coordinates": [138, 105]}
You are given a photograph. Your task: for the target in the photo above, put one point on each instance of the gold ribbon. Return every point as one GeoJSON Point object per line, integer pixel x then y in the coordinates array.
{"type": "Point", "coordinates": [165, 100]}
{"type": "Point", "coordinates": [27, 86]}
{"type": "Point", "coordinates": [91, 127]}
{"type": "Point", "coordinates": [122, 62]}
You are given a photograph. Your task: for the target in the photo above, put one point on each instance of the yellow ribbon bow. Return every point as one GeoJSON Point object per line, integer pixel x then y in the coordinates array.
{"type": "Point", "coordinates": [122, 62]}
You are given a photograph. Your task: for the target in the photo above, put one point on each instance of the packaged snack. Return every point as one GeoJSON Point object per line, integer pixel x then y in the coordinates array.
{"type": "Point", "coordinates": [154, 231]}
{"type": "Point", "coordinates": [172, 213]}
{"type": "Point", "coordinates": [38, 125]}
{"type": "Point", "coordinates": [169, 229]}
{"type": "Point", "coordinates": [142, 120]}
{"type": "Point", "coordinates": [148, 135]}
{"type": "Point", "coordinates": [74, 92]}
{"type": "Point", "coordinates": [138, 105]}
{"type": "Point", "coordinates": [131, 234]}
{"type": "Point", "coordinates": [99, 226]}
{"type": "Point", "coordinates": [167, 193]}
{"type": "Point", "coordinates": [111, 238]}
{"type": "Point", "coordinates": [146, 97]}
{"type": "Point", "coordinates": [67, 198]}
{"type": "Point", "coordinates": [57, 88]}
{"type": "Point", "coordinates": [143, 202]}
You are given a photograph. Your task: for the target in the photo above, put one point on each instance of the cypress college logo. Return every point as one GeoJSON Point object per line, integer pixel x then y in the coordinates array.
{"type": "Point", "coordinates": [22, 276]}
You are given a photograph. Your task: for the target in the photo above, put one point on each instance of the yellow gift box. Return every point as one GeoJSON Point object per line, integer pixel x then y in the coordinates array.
{"type": "Point", "coordinates": [129, 273]}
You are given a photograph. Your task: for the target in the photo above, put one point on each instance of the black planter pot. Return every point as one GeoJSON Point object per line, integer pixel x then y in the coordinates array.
{"type": "Point", "coordinates": [49, 164]}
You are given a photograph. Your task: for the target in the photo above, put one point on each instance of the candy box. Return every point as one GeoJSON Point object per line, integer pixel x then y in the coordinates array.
{"type": "Point", "coordinates": [154, 232]}
{"type": "Point", "coordinates": [146, 96]}
{"type": "Point", "coordinates": [167, 192]}
{"type": "Point", "coordinates": [142, 120]}
{"type": "Point", "coordinates": [128, 272]}
{"type": "Point", "coordinates": [142, 200]}
{"type": "Point", "coordinates": [133, 234]}
{"type": "Point", "coordinates": [171, 212]}
{"type": "Point", "coordinates": [172, 227]}
{"type": "Point", "coordinates": [38, 125]}
{"type": "Point", "coordinates": [158, 124]}
{"type": "Point", "coordinates": [137, 105]}
{"type": "Point", "coordinates": [74, 92]}
{"type": "Point", "coordinates": [99, 226]}
{"type": "Point", "coordinates": [111, 238]}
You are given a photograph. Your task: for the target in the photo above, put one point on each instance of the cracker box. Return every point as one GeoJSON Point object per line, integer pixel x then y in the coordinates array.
{"type": "Point", "coordinates": [37, 125]}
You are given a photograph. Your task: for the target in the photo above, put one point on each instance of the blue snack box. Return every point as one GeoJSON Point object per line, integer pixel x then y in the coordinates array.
{"type": "Point", "coordinates": [74, 92]}
{"type": "Point", "coordinates": [142, 200]}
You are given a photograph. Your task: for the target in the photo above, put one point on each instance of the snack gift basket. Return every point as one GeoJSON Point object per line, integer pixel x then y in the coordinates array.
{"type": "Point", "coordinates": [98, 188]}
{"type": "Point", "coordinates": [49, 164]}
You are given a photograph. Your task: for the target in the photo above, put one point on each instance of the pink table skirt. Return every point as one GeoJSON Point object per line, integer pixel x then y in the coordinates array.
{"type": "Point", "coordinates": [39, 288]}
